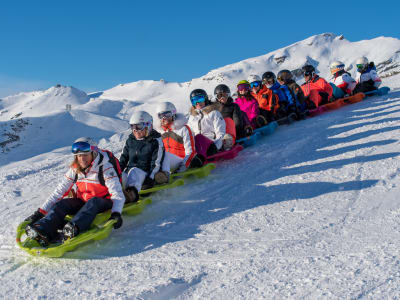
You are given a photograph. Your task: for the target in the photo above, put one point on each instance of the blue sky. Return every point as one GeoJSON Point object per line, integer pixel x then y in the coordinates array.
{"type": "Point", "coordinates": [95, 45]}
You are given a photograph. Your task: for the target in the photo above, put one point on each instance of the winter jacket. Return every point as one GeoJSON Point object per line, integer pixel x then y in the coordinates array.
{"type": "Point", "coordinates": [344, 81]}
{"type": "Point", "coordinates": [209, 122]}
{"type": "Point", "coordinates": [146, 154]}
{"type": "Point", "coordinates": [317, 90]}
{"type": "Point", "coordinates": [266, 99]}
{"type": "Point", "coordinates": [88, 185]}
{"type": "Point", "coordinates": [232, 110]}
{"type": "Point", "coordinates": [178, 139]}
{"type": "Point", "coordinates": [294, 94]}
{"type": "Point", "coordinates": [276, 88]}
{"type": "Point", "coordinates": [250, 107]}
{"type": "Point", "coordinates": [369, 74]}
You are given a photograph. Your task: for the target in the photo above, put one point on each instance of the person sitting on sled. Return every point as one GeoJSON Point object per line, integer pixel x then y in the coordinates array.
{"type": "Point", "coordinates": [207, 124]}
{"type": "Point", "coordinates": [142, 158]}
{"type": "Point", "coordinates": [249, 105]}
{"type": "Point", "coordinates": [178, 139]}
{"type": "Point", "coordinates": [230, 110]}
{"type": "Point", "coordinates": [295, 102]}
{"type": "Point", "coordinates": [316, 89]}
{"type": "Point", "coordinates": [267, 100]}
{"type": "Point", "coordinates": [91, 196]}
{"type": "Point", "coordinates": [367, 79]}
{"type": "Point", "coordinates": [342, 83]}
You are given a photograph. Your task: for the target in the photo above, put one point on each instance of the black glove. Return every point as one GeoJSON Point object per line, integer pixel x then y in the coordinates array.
{"type": "Point", "coordinates": [117, 217]}
{"type": "Point", "coordinates": [324, 96]}
{"type": "Point", "coordinates": [248, 130]}
{"type": "Point", "coordinates": [36, 216]}
{"type": "Point", "coordinates": [148, 183]}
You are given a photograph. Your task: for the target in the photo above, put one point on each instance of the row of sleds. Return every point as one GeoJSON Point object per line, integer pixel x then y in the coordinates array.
{"type": "Point", "coordinates": [101, 227]}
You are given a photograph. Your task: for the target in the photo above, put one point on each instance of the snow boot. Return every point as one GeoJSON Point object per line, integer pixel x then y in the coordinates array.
{"type": "Point", "coordinates": [69, 231]}
{"type": "Point", "coordinates": [131, 194]}
{"type": "Point", "coordinates": [161, 177]}
{"type": "Point", "coordinates": [35, 234]}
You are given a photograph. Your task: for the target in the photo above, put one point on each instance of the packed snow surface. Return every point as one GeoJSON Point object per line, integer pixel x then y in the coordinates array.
{"type": "Point", "coordinates": [311, 211]}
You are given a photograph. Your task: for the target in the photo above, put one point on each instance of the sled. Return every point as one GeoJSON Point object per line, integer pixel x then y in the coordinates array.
{"type": "Point", "coordinates": [100, 229]}
{"type": "Point", "coordinates": [225, 155]}
{"type": "Point", "coordinates": [202, 172]}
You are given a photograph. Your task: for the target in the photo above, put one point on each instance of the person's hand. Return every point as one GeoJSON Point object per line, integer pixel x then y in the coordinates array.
{"type": "Point", "coordinates": [36, 216]}
{"type": "Point", "coordinates": [248, 130]}
{"type": "Point", "coordinates": [118, 218]}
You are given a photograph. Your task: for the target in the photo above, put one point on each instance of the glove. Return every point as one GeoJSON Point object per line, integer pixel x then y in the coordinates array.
{"type": "Point", "coordinates": [161, 177]}
{"type": "Point", "coordinates": [117, 217]}
{"type": "Point", "coordinates": [36, 216]}
{"type": "Point", "coordinates": [148, 183]}
{"type": "Point", "coordinates": [248, 130]}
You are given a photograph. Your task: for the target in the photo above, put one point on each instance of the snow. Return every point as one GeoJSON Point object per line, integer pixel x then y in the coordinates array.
{"type": "Point", "coordinates": [311, 211]}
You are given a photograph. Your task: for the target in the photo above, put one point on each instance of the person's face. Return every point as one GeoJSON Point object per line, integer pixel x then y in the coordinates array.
{"type": "Point", "coordinates": [281, 82]}
{"type": "Point", "coordinates": [242, 92]}
{"type": "Point", "coordinates": [222, 97]}
{"type": "Point", "coordinates": [166, 121]}
{"type": "Point", "coordinates": [139, 134]}
{"type": "Point", "coordinates": [255, 89]}
{"type": "Point", "coordinates": [200, 105]}
{"type": "Point", "coordinates": [307, 77]}
{"type": "Point", "coordinates": [85, 159]}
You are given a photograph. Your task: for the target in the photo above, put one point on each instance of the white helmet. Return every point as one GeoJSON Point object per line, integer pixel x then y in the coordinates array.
{"type": "Point", "coordinates": [253, 78]}
{"type": "Point", "coordinates": [166, 107]}
{"type": "Point", "coordinates": [336, 66]}
{"type": "Point", "coordinates": [83, 145]}
{"type": "Point", "coordinates": [140, 117]}
{"type": "Point", "coordinates": [362, 64]}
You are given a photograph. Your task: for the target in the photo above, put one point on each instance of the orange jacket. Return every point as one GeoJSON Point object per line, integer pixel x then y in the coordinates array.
{"type": "Point", "coordinates": [266, 99]}
{"type": "Point", "coordinates": [313, 87]}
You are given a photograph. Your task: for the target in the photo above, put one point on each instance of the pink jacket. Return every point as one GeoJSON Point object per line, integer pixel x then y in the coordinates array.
{"type": "Point", "coordinates": [250, 107]}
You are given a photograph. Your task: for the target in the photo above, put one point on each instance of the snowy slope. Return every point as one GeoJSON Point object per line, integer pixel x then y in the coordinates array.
{"type": "Point", "coordinates": [311, 211]}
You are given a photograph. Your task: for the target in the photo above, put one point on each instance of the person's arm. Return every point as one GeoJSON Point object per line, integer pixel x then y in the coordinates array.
{"type": "Point", "coordinates": [64, 186]}
{"type": "Point", "coordinates": [114, 187]}
{"type": "Point", "coordinates": [219, 127]}
{"type": "Point", "coordinates": [156, 158]}
{"type": "Point", "coordinates": [188, 144]}
{"type": "Point", "coordinates": [124, 158]}
{"type": "Point", "coordinates": [377, 80]}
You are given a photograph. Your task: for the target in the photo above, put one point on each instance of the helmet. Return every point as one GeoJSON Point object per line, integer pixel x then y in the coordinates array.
{"type": "Point", "coordinates": [284, 75]}
{"type": "Point", "coordinates": [142, 117]}
{"type": "Point", "coordinates": [244, 85]}
{"type": "Point", "coordinates": [268, 75]}
{"type": "Point", "coordinates": [222, 88]}
{"type": "Point", "coordinates": [362, 64]}
{"type": "Point", "coordinates": [308, 70]}
{"type": "Point", "coordinates": [166, 107]}
{"type": "Point", "coordinates": [253, 78]}
{"type": "Point", "coordinates": [200, 92]}
{"type": "Point", "coordinates": [84, 145]}
{"type": "Point", "coordinates": [336, 66]}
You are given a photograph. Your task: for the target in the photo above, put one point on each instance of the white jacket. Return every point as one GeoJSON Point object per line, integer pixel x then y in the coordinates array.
{"type": "Point", "coordinates": [369, 75]}
{"type": "Point", "coordinates": [209, 122]}
{"type": "Point", "coordinates": [88, 186]}
{"type": "Point", "coordinates": [179, 139]}
{"type": "Point", "coordinates": [345, 82]}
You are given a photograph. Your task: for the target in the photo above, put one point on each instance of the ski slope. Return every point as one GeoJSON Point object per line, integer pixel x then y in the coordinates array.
{"type": "Point", "coordinates": [311, 211]}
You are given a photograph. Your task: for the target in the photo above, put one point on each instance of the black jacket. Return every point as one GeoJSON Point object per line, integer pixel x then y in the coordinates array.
{"type": "Point", "coordinates": [232, 110]}
{"type": "Point", "coordinates": [147, 154]}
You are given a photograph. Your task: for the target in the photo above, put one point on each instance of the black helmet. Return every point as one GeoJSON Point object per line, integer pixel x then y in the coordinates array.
{"type": "Point", "coordinates": [200, 92]}
{"type": "Point", "coordinates": [284, 75]}
{"type": "Point", "coordinates": [308, 70]}
{"type": "Point", "coordinates": [222, 89]}
{"type": "Point", "coordinates": [268, 75]}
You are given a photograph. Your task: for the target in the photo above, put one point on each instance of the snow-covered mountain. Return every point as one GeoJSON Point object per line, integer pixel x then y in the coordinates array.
{"type": "Point", "coordinates": [311, 211]}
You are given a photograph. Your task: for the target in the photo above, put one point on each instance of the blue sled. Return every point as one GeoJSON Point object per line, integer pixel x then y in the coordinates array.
{"type": "Point", "coordinates": [257, 133]}
{"type": "Point", "coordinates": [249, 141]}
{"type": "Point", "coordinates": [266, 130]}
{"type": "Point", "coordinates": [380, 92]}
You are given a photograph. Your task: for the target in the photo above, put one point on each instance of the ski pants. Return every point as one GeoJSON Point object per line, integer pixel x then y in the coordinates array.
{"type": "Point", "coordinates": [204, 146]}
{"type": "Point", "coordinates": [85, 213]}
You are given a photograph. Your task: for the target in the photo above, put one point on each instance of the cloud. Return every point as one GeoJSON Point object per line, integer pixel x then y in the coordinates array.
{"type": "Point", "coordinates": [11, 85]}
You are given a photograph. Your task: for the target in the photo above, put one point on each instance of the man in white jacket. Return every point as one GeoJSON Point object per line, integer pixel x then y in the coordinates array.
{"type": "Point", "coordinates": [207, 123]}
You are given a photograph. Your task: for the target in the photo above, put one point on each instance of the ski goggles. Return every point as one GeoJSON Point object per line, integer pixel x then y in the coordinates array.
{"type": "Point", "coordinates": [255, 84]}
{"type": "Point", "coordinates": [165, 115]}
{"type": "Point", "coordinates": [81, 147]}
{"type": "Point", "coordinates": [140, 126]}
{"type": "Point", "coordinates": [222, 95]}
{"type": "Point", "coordinates": [243, 87]}
{"type": "Point", "coordinates": [360, 66]}
{"type": "Point", "coordinates": [197, 99]}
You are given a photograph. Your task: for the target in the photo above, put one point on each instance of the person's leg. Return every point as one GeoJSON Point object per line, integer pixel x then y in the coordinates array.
{"type": "Point", "coordinates": [85, 216]}
{"type": "Point", "coordinates": [54, 220]}
{"type": "Point", "coordinates": [202, 144]}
